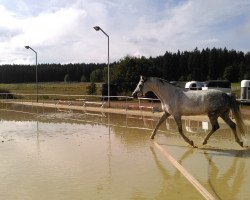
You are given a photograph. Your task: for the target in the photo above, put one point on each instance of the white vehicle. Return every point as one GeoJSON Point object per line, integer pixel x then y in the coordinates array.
{"type": "Point", "coordinates": [245, 91]}
{"type": "Point", "coordinates": [194, 85]}
{"type": "Point", "coordinates": [222, 85]}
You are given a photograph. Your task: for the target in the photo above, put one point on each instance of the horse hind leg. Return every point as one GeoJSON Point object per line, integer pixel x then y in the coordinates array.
{"type": "Point", "coordinates": [215, 126]}
{"type": "Point", "coordinates": [232, 125]}
{"type": "Point", "coordinates": [179, 124]}
{"type": "Point", "coordinates": [161, 120]}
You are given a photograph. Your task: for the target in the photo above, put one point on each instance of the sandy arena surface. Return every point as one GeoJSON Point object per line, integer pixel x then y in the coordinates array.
{"type": "Point", "coordinates": [131, 109]}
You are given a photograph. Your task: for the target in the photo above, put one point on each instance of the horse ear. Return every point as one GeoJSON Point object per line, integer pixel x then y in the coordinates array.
{"type": "Point", "coordinates": [143, 78]}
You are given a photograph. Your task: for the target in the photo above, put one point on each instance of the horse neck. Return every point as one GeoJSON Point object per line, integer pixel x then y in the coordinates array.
{"type": "Point", "coordinates": [162, 89]}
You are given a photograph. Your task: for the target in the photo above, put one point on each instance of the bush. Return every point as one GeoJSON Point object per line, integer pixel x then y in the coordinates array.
{"type": "Point", "coordinates": [67, 78]}
{"type": "Point", "coordinates": [83, 78]}
{"type": "Point", "coordinates": [91, 88]}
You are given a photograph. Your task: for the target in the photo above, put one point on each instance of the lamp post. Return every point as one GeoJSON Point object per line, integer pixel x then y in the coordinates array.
{"type": "Point", "coordinates": [28, 47]}
{"type": "Point", "coordinates": [98, 28]}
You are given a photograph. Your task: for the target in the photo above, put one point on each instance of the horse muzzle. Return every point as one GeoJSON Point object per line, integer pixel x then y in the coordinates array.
{"type": "Point", "coordinates": [137, 94]}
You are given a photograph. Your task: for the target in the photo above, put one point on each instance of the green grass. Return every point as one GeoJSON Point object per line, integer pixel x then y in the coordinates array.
{"type": "Point", "coordinates": [235, 86]}
{"type": "Point", "coordinates": [63, 88]}
{"type": "Point", "coordinates": [236, 89]}
{"type": "Point", "coordinates": [74, 88]}
{"type": "Point", "coordinates": [48, 88]}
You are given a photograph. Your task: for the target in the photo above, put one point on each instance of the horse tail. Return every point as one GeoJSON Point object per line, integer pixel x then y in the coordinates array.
{"type": "Point", "coordinates": [237, 115]}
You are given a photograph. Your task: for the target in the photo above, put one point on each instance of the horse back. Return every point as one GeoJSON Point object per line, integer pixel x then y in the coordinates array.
{"type": "Point", "coordinates": [202, 102]}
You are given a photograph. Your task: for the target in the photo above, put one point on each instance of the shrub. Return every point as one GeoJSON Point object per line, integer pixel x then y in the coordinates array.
{"type": "Point", "coordinates": [91, 88]}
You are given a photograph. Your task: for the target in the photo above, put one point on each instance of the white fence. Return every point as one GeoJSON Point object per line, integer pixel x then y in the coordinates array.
{"type": "Point", "coordinates": [121, 102]}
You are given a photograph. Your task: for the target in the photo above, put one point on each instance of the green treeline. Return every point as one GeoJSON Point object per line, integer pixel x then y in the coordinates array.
{"type": "Point", "coordinates": [47, 72]}
{"type": "Point", "coordinates": [207, 64]}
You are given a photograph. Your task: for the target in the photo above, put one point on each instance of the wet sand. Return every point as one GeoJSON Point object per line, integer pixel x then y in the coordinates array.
{"type": "Point", "coordinates": [245, 111]}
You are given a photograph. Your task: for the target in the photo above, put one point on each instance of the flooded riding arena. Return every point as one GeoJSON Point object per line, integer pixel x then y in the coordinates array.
{"type": "Point", "coordinates": [64, 154]}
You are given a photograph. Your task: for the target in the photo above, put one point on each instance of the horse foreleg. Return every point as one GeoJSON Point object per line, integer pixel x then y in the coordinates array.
{"type": "Point", "coordinates": [179, 124]}
{"type": "Point", "coordinates": [161, 120]}
{"type": "Point", "coordinates": [215, 126]}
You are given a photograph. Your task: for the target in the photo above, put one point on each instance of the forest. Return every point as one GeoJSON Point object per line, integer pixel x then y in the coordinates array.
{"type": "Point", "coordinates": [199, 65]}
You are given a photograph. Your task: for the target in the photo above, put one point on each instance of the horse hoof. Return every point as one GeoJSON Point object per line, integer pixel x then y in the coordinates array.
{"type": "Point", "coordinates": [241, 144]}
{"type": "Point", "coordinates": [151, 138]}
{"type": "Point", "coordinates": [192, 144]}
{"type": "Point", "coordinates": [205, 142]}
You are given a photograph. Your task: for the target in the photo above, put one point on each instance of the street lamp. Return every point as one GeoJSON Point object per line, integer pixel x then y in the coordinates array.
{"type": "Point", "coordinates": [98, 28]}
{"type": "Point", "coordinates": [28, 47]}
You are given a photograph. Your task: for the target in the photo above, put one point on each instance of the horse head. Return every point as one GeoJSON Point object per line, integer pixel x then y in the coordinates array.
{"type": "Point", "coordinates": [140, 89]}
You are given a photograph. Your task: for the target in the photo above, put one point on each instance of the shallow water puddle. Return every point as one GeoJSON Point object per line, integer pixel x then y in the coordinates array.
{"type": "Point", "coordinates": [73, 156]}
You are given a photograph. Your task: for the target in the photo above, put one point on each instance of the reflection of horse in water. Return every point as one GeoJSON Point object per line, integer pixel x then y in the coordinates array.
{"type": "Point", "coordinates": [177, 102]}
{"type": "Point", "coordinates": [169, 176]}
{"type": "Point", "coordinates": [228, 183]}
{"type": "Point", "coordinates": [227, 174]}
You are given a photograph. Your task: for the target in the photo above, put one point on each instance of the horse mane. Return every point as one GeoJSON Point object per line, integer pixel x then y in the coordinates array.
{"type": "Point", "coordinates": [163, 81]}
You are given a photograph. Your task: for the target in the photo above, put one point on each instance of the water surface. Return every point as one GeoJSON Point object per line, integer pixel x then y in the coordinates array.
{"type": "Point", "coordinates": [65, 155]}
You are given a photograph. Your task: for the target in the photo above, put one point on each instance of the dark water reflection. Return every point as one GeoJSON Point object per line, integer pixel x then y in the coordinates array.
{"type": "Point", "coordinates": [53, 154]}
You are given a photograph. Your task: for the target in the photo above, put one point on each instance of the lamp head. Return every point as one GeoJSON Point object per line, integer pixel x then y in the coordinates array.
{"type": "Point", "coordinates": [27, 47]}
{"type": "Point", "coordinates": [97, 28]}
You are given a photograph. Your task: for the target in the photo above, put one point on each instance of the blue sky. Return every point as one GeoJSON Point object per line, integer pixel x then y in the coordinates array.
{"type": "Point", "coordinates": [61, 31]}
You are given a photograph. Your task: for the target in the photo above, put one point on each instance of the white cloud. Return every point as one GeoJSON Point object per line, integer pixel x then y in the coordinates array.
{"type": "Point", "coordinates": [61, 31]}
{"type": "Point", "coordinates": [48, 28]}
{"type": "Point", "coordinates": [44, 30]}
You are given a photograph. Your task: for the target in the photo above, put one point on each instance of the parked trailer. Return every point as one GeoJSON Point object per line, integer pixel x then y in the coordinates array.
{"type": "Point", "coordinates": [222, 85]}
{"type": "Point", "coordinates": [245, 92]}
{"type": "Point", "coordinates": [194, 85]}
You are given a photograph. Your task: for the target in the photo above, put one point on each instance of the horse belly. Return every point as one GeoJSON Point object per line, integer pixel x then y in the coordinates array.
{"type": "Point", "coordinates": [193, 110]}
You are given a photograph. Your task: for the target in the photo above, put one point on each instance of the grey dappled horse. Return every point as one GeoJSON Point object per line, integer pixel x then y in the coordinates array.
{"type": "Point", "coordinates": [177, 101]}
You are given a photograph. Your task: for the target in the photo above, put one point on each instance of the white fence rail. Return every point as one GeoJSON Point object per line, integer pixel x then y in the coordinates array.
{"type": "Point", "coordinates": [125, 102]}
